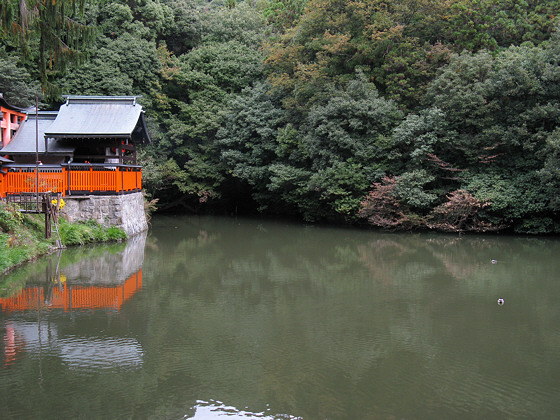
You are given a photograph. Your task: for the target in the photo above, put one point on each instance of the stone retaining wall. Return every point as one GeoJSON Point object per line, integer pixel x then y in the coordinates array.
{"type": "Point", "coordinates": [125, 211]}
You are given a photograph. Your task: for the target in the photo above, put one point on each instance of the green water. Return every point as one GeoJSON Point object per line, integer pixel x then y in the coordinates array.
{"type": "Point", "coordinates": [238, 318]}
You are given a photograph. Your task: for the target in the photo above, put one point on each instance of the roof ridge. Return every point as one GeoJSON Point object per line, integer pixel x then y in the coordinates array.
{"type": "Point", "coordinates": [80, 99]}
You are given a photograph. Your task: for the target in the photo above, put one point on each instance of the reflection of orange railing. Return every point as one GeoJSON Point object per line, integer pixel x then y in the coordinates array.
{"type": "Point", "coordinates": [71, 297]}
{"type": "Point", "coordinates": [77, 179]}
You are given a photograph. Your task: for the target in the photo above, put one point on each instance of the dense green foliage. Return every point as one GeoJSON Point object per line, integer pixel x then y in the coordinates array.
{"type": "Point", "coordinates": [19, 237]}
{"type": "Point", "coordinates": [48, 33]}
{"type": "Point", "coordinates": [22, 236]}
{"type": "Point", "coordinates": [406, 114]}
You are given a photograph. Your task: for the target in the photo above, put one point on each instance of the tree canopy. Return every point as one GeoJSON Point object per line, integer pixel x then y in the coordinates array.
{"type": "Point", "coordinates": [405, 115]}
{"type": "Point", "coordinates": [46, 31]}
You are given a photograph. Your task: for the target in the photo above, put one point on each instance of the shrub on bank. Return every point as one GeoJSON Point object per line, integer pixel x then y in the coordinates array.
{"type": "Point", "coordinates": [81, 233]}
{"type": "Point", "coordinates": [22, 236]}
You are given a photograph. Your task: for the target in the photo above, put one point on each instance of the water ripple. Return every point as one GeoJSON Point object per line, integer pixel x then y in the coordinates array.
{"type": "Point", "coordinates": [208, 410]}
{"type": "Point", "coordinates": [98, 353]}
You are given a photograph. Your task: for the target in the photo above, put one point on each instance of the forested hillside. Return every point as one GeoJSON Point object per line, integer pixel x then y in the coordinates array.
{"type": "Point", "coordinates": [417, 114]}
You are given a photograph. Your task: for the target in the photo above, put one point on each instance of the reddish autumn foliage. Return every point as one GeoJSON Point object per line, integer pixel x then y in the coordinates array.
{"type": "Point", "coordinates": [460, 214]}
{"type": "Point", "coordinates": [383, 210]}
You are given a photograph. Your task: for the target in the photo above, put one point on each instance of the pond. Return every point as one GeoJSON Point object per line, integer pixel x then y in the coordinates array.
{"type": "Point", "coordinates": [208, 317]}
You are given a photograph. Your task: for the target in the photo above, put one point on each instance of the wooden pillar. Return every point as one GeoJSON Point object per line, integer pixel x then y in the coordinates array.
{"type": "Point", "coordinates": [48, 219]}
{"type": "Point", "coordinates": [70, 179]}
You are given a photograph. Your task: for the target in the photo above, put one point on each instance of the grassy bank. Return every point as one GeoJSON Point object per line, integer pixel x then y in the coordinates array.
{"type": "Point", "coordinates": [22, 236]}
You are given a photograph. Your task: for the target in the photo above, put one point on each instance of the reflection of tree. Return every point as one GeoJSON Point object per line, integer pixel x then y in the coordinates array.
{"type": "Point", "coordinates": [380, 256]}
{"type": "Point", "coordinates": [464, 258]}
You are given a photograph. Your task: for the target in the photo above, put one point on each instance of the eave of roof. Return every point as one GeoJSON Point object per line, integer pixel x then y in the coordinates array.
{"type": "Point", "coordinates": [141, 134]}
{"type": "Point", "coordinates": [5, 104]}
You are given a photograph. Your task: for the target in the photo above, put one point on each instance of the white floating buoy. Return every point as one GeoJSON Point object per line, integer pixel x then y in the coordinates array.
{"type": "Point", "coordinates": [501, 301]}
{"type": "Point", "coordinates": [494, 261]}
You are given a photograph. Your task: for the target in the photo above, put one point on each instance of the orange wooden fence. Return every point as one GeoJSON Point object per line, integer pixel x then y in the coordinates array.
{"type": "Point", "coordinates": [21, 180]}
{"type": "Point", "coordinates": [71, 180]}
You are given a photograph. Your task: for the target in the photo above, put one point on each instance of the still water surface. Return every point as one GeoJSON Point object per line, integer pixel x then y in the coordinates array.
{"type": "Point", "coordinates": [209, 318]}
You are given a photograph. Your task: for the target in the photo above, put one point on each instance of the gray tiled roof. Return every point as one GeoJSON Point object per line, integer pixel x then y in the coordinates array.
{"type": "Point", "coordinates": [24, 141]}
{"type": "Point", "coordinates": [98, 117]}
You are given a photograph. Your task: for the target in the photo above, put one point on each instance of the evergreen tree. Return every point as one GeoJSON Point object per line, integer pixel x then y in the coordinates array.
{"type": "Point", "coordinates": [47, 32]}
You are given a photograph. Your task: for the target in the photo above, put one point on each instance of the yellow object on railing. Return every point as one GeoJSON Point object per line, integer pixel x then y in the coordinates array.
{"type": "Point", "coordinates": [55, 202]}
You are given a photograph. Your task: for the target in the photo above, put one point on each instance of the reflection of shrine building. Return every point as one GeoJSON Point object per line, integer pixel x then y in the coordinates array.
{"type": "Point", "coordinates": [69, 297]}
{"type": "Point", "coordinates": [37, 317]}
{"type": "Point", "coordinates": [102, 282]}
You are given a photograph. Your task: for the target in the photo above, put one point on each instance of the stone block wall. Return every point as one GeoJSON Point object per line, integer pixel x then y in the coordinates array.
{"type": "Point", "coordinates": [125, 211]}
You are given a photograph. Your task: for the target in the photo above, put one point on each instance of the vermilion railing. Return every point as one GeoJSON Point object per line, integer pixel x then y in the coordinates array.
{"type": "Point", "coordinates": [75, 179]}
{"type": "Point", "coordinates": [23, 179]}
